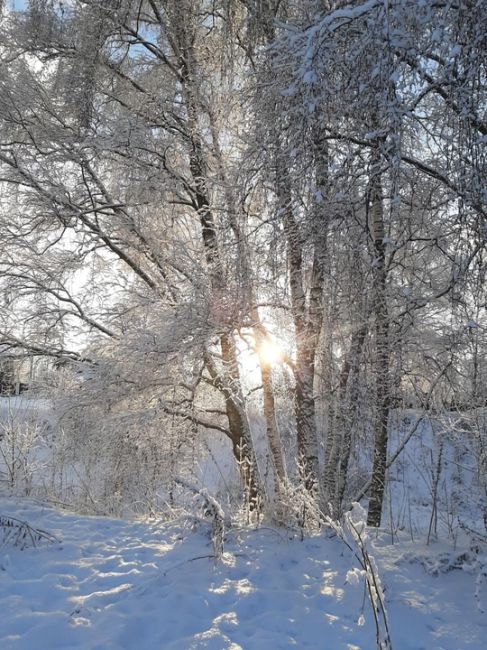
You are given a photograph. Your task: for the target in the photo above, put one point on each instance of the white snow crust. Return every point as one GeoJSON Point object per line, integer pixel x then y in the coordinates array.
{"type": "Point", "coordinates": [113, 584]}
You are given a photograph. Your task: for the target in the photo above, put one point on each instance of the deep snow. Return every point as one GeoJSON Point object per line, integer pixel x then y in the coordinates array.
{"type": "Point", "coordinates": [113, 584]}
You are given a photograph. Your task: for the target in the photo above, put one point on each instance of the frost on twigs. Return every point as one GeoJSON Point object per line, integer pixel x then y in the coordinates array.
{"type": "Point", "coordinates": [214, 510]}
{"type": "Point", "coordinates": [355, 522]}
{"type": "Point", "coordinates": [15, 532]}
{"type": "Point", "coordinates": [298, 509]}
{"type": "Point", "coordinates": [354, 535]}
{"type": "Point", "coordinates": [480, 583]}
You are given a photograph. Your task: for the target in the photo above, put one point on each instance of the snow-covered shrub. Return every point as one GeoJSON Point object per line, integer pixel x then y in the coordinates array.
{"type": "Point", "coordinates": [213, 511]}
{"type": "Point", "coordinates": [21, 438]}
{"type": "Point", "coordinates": [296, 508]}
{"type": "Point", "coordinates": [436, 484]}
{"type": "Point", "coordinates": [354, 535]}
{"type": "Point", "coordinates": [121, 448]}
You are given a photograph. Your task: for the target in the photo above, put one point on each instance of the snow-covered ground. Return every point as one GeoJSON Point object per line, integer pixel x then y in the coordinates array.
{"type": "Point", "coordinates": [113, 584]}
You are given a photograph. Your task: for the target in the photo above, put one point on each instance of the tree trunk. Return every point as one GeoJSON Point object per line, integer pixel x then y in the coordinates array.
{"type": "Point", "coordinates": [272, 430]}
{"type": "Point", "coordinates": [242, 445]}
{"type": "Point", "coordinates": [307, 324]}
{"type": "Point", "coordinates": [230, 383]}
{"type": "Point", "coordinates": [307, 316]}
{"type": "Point", "coordinates": [338, 448]}
{"type": "Point", "coordinates": [349, 409]}
{"type": "Point", "coordinates": [305, 347]}
{"type": "Point", "coordinates": [382, 347]}
{"type": "Point", "coordinates": [248, 299]}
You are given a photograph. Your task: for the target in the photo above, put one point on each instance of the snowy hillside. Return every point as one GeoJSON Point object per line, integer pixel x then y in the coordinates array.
{"type": "Point", "coordinates": [110, 584]}
{"type": "Point", "coordinates": [436, 488]}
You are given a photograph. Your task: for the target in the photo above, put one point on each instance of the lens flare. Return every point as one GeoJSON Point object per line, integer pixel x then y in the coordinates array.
{"type": "Point", "coordinates": [270, 352]}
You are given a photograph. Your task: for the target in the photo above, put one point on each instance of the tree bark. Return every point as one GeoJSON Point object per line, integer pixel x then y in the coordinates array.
{"type": "Point", "coordinates": [272, 430]}
{"type": "Point", "coordinates": [229, 384]}
{"type": "Point", "coordinates": [349, 401]}
{"type": "Point", "coordinates": [305, 342]}
{"type": "Point", "coordinates": [242, 445]}
{"type": "Point", "coordinates": [249, 301]}
{"type": "Point", "coordinates": [382, 346]}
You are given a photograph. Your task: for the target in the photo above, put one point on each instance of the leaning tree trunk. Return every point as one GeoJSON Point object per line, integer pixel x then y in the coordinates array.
{"type": "Point", "coordinates": [249, 306]}
{"type": "Point", "coordinates": [272, 430]}
{"type": "Point", "coordinates": [382, 346]}
{"type": "Point", "coordinates": [229, 382]}
{"type": "Point", "coordinates": [242, 445]}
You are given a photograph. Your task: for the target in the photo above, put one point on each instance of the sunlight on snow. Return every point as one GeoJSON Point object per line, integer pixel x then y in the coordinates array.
{"type": "Point", "coordinates": [329, 589]}
{"type": "Point", "coordinates": [81, 600]}
{"type": "Point", "coordinates": [241, 587]}
{"type": "Point", "coordinates": [214, 632]}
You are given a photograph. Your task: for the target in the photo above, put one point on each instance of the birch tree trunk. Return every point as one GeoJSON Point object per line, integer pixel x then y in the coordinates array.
{"type": "Point", "coordinates": [249, 300]}
{"type": "Point", "coordinates": [307, 314]}
{"type": "Point", "coordinates": [229, 383]}
{"type": "Point", "coordinates": [382, 361]}
{"type": "Point", "coordinates": [305, 347]}
{"type": "Point", "coordinates": [350, 402]}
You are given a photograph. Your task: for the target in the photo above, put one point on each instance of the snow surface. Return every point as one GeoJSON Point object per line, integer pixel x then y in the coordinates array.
{"type": "Point", "coordinates": [113, 584]}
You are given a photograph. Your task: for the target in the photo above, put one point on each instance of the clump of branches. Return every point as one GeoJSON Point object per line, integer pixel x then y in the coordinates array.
{"type": "Point", "coordinates": [297, 508]}
{"type": "Point", "coordinates": [21, 534]}
{"type": "Point", "coordinates": [213, 510]}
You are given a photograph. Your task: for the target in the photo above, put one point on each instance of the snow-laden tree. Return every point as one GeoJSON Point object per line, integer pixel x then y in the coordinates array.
{"type": "Point", "coordinates": [186, 183]}
{"type": "Point", "coordinates": [123, 217]}
{"type": "Point", "coordinates": [396, 92]}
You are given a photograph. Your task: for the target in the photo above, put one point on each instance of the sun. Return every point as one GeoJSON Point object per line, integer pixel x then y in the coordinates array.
{"type": "Point", "coordinates": [259, 352]}
{"type": "Point", "coordinates": [270, 352]}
